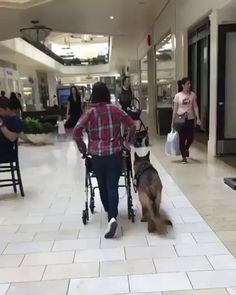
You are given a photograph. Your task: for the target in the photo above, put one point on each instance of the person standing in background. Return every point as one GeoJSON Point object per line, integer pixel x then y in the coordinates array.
{"type": "Point", "coordinates": [17, 103]}
{"type": "Point", "coordinates": [74, 109]}
{"type": "Point", "coordinates": [21, 99]}
{"type": "Point", "coordinates": [126, 95]}
{"type": "Point", "coordinates": [55, 101]}
{"type": "Point", "coordinates": [3, 95]}
{"type": "Point", "coordinates": [185, 105]}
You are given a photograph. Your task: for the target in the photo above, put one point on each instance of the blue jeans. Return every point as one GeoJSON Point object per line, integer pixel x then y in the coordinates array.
{"type": "Point", "coordinates": [108, 171]}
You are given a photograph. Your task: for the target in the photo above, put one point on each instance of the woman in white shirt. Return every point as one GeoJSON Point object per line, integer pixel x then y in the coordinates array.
{"type": "Point", "coordinates": [185, 105]}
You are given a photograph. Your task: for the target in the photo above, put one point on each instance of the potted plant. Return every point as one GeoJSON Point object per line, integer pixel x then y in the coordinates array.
{"type": "Point", "coordinates": [36, 132]}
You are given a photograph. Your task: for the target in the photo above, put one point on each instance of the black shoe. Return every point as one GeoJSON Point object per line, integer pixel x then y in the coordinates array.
{"type": "Point", "coordinates": [111, 229]}
{"type": "Point", "coordinates": [184, 161]}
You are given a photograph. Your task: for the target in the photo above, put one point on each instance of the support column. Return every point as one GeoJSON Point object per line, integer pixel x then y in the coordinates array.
{"type": "Point", "coordinates": [151, 61]}
{"type": "Point", "coordinates": [214, 19]}
{"type": "Point", "coordinates": [52, 87]}
{"type": "Point", "coordinates": [181, 44]}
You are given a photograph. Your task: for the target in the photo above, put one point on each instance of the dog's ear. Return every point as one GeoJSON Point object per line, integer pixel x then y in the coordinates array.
{"type": "Point", "coordinates": [136, 157]}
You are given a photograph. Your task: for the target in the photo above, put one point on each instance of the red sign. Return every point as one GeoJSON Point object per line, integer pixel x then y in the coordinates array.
{"type": "Point", "coordinates": [148, 40]}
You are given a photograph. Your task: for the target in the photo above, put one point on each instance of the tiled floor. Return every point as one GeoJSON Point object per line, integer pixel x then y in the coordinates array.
{"type": "Point", "coordinates": [45, 249]}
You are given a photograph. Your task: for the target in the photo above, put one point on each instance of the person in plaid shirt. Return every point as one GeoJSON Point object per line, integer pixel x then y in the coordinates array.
{"type": "Point", "coordinates": [102, 122]}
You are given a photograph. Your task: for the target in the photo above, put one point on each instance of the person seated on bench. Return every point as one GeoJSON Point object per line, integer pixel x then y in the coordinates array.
{"type": "Point", "coordinates": [10, 127]}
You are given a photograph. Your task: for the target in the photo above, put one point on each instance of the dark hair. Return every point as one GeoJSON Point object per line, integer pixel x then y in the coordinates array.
{"type": "Point", "coordinates": [77, 94]}
{"type": "Point", "coordinates": [124, 78]}
{"type": "Point", "coordinates": [11, 104]}
{"type": "Point", "coordinates": [14, 104]}
{"type": "Point", "coordinates": [182, 82]}
{"type": "Point", "coordinates": [4, 103]}
{"type": "Point", "coordinates": [3, 93]}
{"type": "Point", "coordinates": [185, 80]}
{"type": "Point", "coordinates": [13, 95]}
{"type": "Point", "coordinates": [100, 93]}
{"type": "Point", "coordinates": [180, 86]}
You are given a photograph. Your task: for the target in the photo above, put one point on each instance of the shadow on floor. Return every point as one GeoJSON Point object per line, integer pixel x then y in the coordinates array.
{"type": "Point", "coordinates": [229, 160]}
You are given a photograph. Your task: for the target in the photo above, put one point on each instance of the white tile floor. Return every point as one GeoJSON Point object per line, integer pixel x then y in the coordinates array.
{"type": "Point", "coordinates": [44, 245]}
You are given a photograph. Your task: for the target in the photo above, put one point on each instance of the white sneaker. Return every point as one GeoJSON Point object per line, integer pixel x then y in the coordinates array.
{"type": "Point", "coordinates": [111, 229]}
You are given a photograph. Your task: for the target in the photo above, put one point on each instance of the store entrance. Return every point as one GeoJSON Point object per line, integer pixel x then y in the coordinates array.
{"type": "Point", "coordinates": [199, 73]}
{"type": "Point", "coordinates": [226, 104]}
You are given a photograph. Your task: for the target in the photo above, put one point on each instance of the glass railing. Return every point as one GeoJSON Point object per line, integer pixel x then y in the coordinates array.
{"type": "Point", "coordinates": [99, 60]}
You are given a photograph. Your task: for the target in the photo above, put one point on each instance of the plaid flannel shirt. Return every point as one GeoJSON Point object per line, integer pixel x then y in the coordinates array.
{"type": "Point", "coordinates": [103, 126]}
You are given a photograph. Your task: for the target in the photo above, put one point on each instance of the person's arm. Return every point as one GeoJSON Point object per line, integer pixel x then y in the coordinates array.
{"type": "Point", "coordinates": [175, 109]}
{"type": "Point", "coordinates": [78, 132]}
{"type": "Point", "coordinates": [21, 108]}
{"type": "Point", "coordinates": [68, 110]}
{"type": "Point", "coordinates": [11, 136]}
{"type": "Point", "coordinates": [120, 99]}
{"type": "Point", "coordinates": [196, 110]}
{"type": "Point", "coordinates": [80, 106]}
{"type": "Point", "coordinates": [130, 127]}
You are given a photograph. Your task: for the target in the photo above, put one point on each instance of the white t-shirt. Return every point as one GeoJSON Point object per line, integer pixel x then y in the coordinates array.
{"type": "Point", "coordinates": [185, 104]}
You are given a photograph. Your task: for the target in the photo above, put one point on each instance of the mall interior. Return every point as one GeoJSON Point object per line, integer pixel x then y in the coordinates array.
{"type": "Point", "coordinates": [47, 46]}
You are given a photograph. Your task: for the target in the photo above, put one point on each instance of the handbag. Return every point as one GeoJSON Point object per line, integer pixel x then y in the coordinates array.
{"type": "Point", "coordinates": [179, 121]}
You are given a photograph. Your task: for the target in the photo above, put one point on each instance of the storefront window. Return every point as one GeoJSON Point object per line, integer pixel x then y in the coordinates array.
{"type": "Point", "coordinates": [165, 84]}
{"type": "Point", "coordinates": [144, 89]}
{"type": "Point", "coordinates": [165, 71]}
{"type": "Point", "coordinates": [144, 83]}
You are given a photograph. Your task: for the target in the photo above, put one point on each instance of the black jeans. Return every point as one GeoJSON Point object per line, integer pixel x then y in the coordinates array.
{"type": "Point", "coordinates": [108, 171]}
{"type": "Point", "coordinates": [186, 136]}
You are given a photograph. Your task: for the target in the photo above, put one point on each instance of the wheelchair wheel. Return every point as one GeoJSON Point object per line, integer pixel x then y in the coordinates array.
{"type": "Point", "coordinates": [146, 141]}
{"type": "Point", "coordinates": [132, 215]}
{"type": "Point", "coordinates": [84, 217]}
{"type": "Point", "coordinates": [92, 205]}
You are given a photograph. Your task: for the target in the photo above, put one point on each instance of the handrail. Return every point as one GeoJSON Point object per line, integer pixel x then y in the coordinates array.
{"type": "Point", "coordinates": [100, 59]}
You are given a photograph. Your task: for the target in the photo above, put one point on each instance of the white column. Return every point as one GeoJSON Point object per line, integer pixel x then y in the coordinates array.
{"type": "Point", "coordinates": [151, 62]}
{"type": "Point", "coordinates": [181, 51]}
{"type": "Point", "coordinates": [52, 87]}
{"type": "Point", "coordinates": [214, 19]}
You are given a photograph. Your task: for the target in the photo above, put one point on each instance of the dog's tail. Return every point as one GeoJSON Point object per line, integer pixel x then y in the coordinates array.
{"type": "Point", "coordinates": [160, 220]}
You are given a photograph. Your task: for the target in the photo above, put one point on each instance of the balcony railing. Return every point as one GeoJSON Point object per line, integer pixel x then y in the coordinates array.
{"type": "Point", "coordinates": [101, 59]}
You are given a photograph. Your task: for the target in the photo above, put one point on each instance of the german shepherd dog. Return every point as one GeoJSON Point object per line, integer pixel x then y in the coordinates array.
{"type": "Point", "coordinates": [149, 188]}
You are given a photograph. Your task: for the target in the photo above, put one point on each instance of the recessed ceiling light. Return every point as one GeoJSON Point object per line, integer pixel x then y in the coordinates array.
{"type": "Point", "coordinates": [111, 17]}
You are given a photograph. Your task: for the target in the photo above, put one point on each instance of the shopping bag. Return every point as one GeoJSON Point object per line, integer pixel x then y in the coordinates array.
{"type": "Point", "coordinates": [172, 144]}
{"type": "Point", "coordinates": [168, 144]}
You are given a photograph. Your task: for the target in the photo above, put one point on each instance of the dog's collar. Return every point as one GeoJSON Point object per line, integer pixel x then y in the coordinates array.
{"type": "Point", "coordinates": [141, 169]}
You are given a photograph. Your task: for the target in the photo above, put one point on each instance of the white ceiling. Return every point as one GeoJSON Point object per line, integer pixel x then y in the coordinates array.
{"type": "Point", "coordinates": [132, 19]}
{"type": "Point", "coordinates": [85, 16]}
{"type": "Point", "coordinates": [21, 4]}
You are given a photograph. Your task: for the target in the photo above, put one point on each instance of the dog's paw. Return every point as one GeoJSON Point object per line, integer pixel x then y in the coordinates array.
{"type": "Point", "coordinates": [168, 222]}
{"type": "Point", "coordinates": [151, 226]}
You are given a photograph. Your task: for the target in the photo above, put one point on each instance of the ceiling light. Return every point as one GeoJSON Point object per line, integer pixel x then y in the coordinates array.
{"type": "Point", "coordinates": [36, 33]}
{"type": "Point", "coordinates": [111, 17]}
